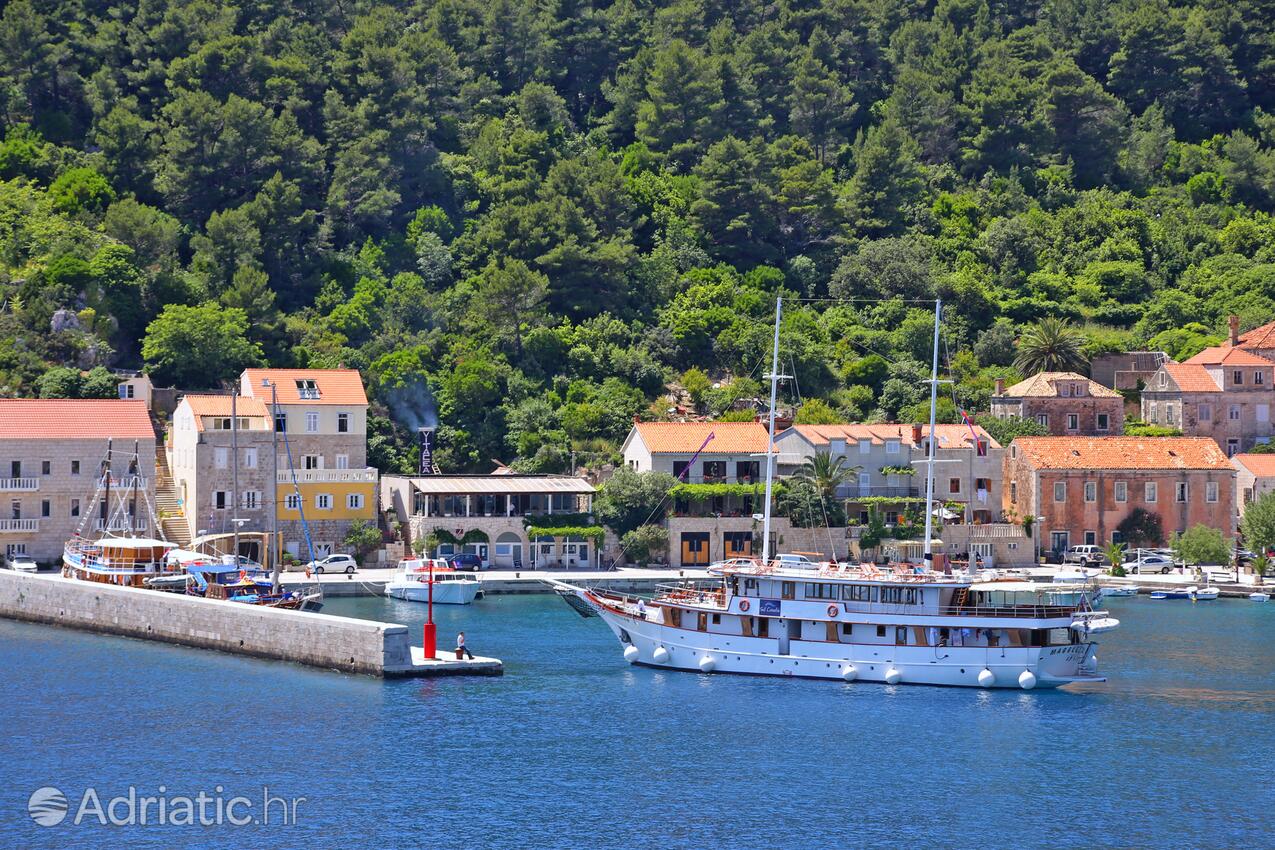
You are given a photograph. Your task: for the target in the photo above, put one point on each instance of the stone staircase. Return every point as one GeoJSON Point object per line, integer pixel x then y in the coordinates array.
{"type": "Point", "coordinates": [167, 504]}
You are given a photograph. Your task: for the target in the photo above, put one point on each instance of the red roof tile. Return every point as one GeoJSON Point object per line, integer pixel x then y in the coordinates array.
{"type": "Point", "coordinates": [683, 437]}
{"type": "Point", "coordinates": [1263, 337]}
{"type": "Point", "coordinates": [1191, 378]}
{"type": "Point", "coordinates": [335, 386]}
{"type": "Point", "coordinates": [220, 405]}
{"type": "Point", "coordinates": [74, 419]}
{"type": "Point", "coordinates": [1263, 466]}
{"type": "Point", "coordinates": [1045, 384]}
{"type": "Point", "coordinates": [949, 435]}
{"type": "Point", "coordinates": [1144, 453]}
{"type": "Point", "coordinates": [1224, 354]}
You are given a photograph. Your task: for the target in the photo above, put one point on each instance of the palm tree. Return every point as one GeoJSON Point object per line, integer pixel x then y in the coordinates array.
{"type": "Point", "coordinates": [1050, 345]}
{"type": "Point", "coordinates": [827, 473]}
{"type": "Point", "coordinates": [1115, 556]}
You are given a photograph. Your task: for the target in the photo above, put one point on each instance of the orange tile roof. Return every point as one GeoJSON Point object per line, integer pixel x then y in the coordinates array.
{"type": "Point", "coordinates": [336, 386]}
{"type": "Point", "coordinates": [1263, 337]}
{"type": "Point", "coordinates": [1144, 453]}
{"type": "Point", "coordinates": [1045, 384]}
{"type": "Point", "coordinates": [1191, 378]}
{"type": "Point", "coordinates": [684, 437]}
{"type": "Point", "coordinates": [820, 435]}
{"type": "Point", "coordinates": [74, 419]}
{"type": "Point", "coordinates": [1224, 354]}
{"type": "Point", "coordinates": [219, 405]}
{"type": "Point", "coordinates": [1263, 466]}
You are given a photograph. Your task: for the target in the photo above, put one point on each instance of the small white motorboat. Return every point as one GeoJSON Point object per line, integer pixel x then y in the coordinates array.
{"type": "Point", "coordinates": [1260, 596]}
{"type": "Point", "coordinates": [1203, 594]}
{"type": "Point", "coordinates": [1094, 625]}
{"type": "Point", "coordinates": [1122, 590]}
{"type": "Point", "coordinates": [415, 578]}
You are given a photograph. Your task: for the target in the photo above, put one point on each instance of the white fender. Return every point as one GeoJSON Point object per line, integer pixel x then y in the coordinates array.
{"type": "Point", "coordinates": [660, 656]}
{"type": "Point", "coordinates": [707, 664]}
{"type": "Point", "coordinates": [849, 673]}
{"type": "Point", "coordinates": [986, 678]}
{"type": "Point", "coordinates": [631, 653]}
{"type": "Point", "coordinates": [1027, 680]}
{"type": "Point", "coordinates": [893, 676]}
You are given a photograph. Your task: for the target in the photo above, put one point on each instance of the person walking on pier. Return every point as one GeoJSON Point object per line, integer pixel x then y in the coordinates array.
{"type": "Point", "coordinates": [461, 649]}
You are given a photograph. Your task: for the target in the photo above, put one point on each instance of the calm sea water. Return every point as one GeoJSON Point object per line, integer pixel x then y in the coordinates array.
{"type": "Point", "coordinates": [573, 747]}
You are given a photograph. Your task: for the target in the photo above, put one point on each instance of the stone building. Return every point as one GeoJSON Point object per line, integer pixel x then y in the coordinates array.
{"type": "Point", "coordinates": [51, 454]}
{"type": "Point", "coordinates": [204, 465]}
{"type": "Point", "coordinates": [1223, 393]}
{"type": "Point", "coordinates": [489, 516]}
{"type": "Point", "coordinates": [1125, 369]}
{"type": "Point", "coordinates": [1254, 478]}
{"type": "Point", "coordinates": [1081, 488]}
{"type": "Point", "coordinates": [302, 454]}
{"type": "Point", "coordinates": [1063, 402]}
{"type": "Point", "coordinates": [889, 461]}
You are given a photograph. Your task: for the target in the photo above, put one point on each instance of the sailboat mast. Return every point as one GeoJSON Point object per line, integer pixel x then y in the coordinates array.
{"type": "Point", "coordinates": [234, 468]}
{"type": "Point", "coordinates": [770, 432]}
{"type": "Point", "coordinates": [929, 467]}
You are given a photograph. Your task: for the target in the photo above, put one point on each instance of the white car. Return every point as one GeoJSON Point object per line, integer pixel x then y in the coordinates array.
{"type": "Point", "coordinates": [23, 563]}
{"type": "Point", "coordinates": [1087, 555]}
{"type": "Point", "coordinates": [333, 564]}
{"type": "Point", "coordinates": [1150, 562]}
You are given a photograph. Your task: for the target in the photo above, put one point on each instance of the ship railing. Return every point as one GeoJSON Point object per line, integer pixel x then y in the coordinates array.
{"type": "Point", "coordinates": [692, 594]}
{"type": "Point", "coordinates": [1038, 612]}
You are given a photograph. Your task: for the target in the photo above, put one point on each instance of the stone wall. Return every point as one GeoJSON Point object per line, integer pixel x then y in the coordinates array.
{"type": "Point", "coordinates": [339, 643]}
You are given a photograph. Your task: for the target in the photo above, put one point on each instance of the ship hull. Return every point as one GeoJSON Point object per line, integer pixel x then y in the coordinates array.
{"type": "Point", "coordinates": [683, 649]}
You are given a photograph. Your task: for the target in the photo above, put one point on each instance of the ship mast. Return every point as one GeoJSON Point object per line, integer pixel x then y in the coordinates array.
{"type": "Point", "coordinates": [929, 465]}
{"type": "Point", "coordinates": [770, 433]}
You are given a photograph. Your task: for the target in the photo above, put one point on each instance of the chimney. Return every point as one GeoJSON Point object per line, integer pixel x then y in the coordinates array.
{"type": "Point", "coordinates": [425, 439]}
{"type": "Point", "coordinates": [1235, 330]}
{"type": "Point", "coordinates": [916, 435]}
{"type": "Point", "coordinates": [1000, 386]}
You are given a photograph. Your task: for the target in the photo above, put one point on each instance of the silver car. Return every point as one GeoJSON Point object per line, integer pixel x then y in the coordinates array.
{"type": "Point", "coordinates": [1150, 562]}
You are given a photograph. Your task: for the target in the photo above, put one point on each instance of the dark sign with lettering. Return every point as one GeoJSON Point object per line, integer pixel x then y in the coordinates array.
{"type": "Point", "coordinates": [425, 438]}
{"type": "Point", "coordinates": [770, 608]}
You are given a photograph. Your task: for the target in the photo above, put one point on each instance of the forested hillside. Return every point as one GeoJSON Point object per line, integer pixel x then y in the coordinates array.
{"type": "Point", "coordinates": [533, 215]}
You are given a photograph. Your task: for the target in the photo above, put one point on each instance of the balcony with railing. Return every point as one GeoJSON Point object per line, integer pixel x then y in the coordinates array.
{"type": "Point", "coordinates": [19, 485]}
{"type": "Point", "coordinates": [327, 476]}
{"type": "Point", "coordinates": [855, 491]}
{"type": "Point", "coordinates": [121, 524]}
{"type": "Point", "coordinates": [19, 526]}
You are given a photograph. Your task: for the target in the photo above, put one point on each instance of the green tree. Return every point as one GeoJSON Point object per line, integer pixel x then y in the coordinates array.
{"type": "Point", "coordinates": [683, 95]}
{"type": "Point", "coordinates": [816, 411]}
{"type": "Point", "coordinates": [510, 299]}
{"type": "Point", "coordinates": [1141, 528]}
{"type": "Point", "coordinates": [645, 544]}
{"type": "Point", "coordinates": [198, 347]}
{"type": "Point", "coordinates": [827, 472]}
{"type": "Point", "coordinates": [629, 499]}
{"type": "Point", "coordinates": [81, 189]}
{"type": "Point", "coordinates": [1258, 523]}
{"type": "Point", "coordinates": [1050, 345]}
{"type": "Point", "coordinates": [1200, 544]}
{"type": "Point", "coordinates": [363, 538]}
{"type": "Point", "coordinates": [887, 180]}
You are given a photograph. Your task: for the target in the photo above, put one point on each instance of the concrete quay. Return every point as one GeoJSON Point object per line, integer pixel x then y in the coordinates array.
{"type": "Point", "coordinates": [371, 582]}
{"type": "Point", "coordinates": [318, 640]}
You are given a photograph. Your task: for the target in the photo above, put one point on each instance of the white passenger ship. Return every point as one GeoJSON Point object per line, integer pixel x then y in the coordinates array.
{"type": "Point", "coordinates": [907, 623]}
